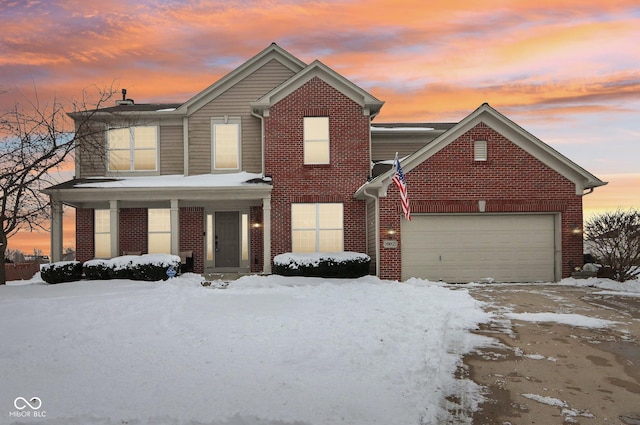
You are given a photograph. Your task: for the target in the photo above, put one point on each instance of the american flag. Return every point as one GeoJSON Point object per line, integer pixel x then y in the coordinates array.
{"type": "Point", "coordinates": [400, 182]}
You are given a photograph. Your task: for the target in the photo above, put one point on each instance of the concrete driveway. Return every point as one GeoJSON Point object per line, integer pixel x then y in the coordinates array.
{"type": "Point", "coordinates": [546, 372]}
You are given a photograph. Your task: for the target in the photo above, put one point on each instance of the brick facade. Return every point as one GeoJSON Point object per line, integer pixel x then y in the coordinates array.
{"type": "Point", "coordinates": [84, 234]}
{"type": "Point", "coordinates": [256, 244]}
{"type": "Point", "coordinates": [192, 235]}
{"type": "Point", "coordinates": [295, 182]}
{"type": "Point", "coordinates": [511, 180]}
{"type": "Point", "coordinates": [133, 230]}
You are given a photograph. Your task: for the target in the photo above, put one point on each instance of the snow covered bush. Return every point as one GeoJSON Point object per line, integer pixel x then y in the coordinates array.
{"type": "Point", "coordinates": [96, 269]}
{"type": "Point", "coordinates": [148, 267]}
{"type": "Point", "coordinates": [153, 267]}
{"type": "Point", "coordinates": [322, 264]}
{"type": "Point", "coordinates": [64, 271]}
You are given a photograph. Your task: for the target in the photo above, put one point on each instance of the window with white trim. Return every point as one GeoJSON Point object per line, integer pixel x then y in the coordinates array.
{"type": "Point", "coordinates": [133, 148]}
{"type": "Point", "coordinates": [159, 230]}
{"type": "Point", "coordinates": [225, 143]}
{"type": "Point", "coordinates": [102, 233]}
{"type": "Point", "coordinates": [480, 150]}
{"type": "Point", "coordinates": [317, 227]}
{"type": "Point", "coordinates": [316, 140]}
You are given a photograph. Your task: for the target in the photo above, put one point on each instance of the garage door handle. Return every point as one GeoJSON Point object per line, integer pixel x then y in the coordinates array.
{"type": "Point", "coordinates": [440, 258]}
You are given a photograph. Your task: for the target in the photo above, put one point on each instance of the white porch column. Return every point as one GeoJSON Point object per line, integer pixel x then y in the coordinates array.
{"type": "Point", "coordinates": [56, 229]}
{"type": "Point", "coordinates": [114, 228]}
{"type": "Point", "coordinates": [266, 227]}
{"type": "Point", "coordinates": [175, 227]}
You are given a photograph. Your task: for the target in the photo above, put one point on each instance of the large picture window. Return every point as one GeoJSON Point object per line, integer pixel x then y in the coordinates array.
{"type": "Point", "coordinates": [102, 233]}
{"type": "Point", "coordinates": [317, 227]}
{"type": "Point", "coordinates": [316, 140]}
{"type": "Point", "coordinates": [159, 225]}
{"type": "Point", "coordinates": [133, 148]}
{"type": "Point", "coordinates": [225, 134]}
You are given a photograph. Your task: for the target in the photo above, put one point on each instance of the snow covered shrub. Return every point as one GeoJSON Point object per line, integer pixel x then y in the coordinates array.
{"type": "Point", "coordinates": [322, 264]}
{"type": "Point", "coordinates": [64, 271]}
{"type": "Point", "coordinates": [96, 269]}
{"type": "Point", "coordinates": [614, 240]}
{"type": "Point", "coordinates": [148, 267]}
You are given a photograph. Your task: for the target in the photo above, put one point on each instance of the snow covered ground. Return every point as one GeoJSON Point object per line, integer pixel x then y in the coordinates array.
{"type": "Point", "coordinates": [266, 350]}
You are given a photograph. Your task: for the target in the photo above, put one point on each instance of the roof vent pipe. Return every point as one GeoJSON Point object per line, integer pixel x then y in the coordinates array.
{"type": "Point", "coordinates": [124, 100]}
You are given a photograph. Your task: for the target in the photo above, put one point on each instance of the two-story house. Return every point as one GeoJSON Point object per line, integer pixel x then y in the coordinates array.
{"type": "Point", "coordinates": [280, 156]}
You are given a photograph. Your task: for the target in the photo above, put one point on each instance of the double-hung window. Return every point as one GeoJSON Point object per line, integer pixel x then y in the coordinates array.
{"type": "Point", "coordinates": [102, 233]}
{"type": "Point", "coordinates": [133, 148]}
{"type": "Point", "coordinates": [316, 140]}
{"type": "Point", "coordinates": [159, 225]}
{"type": "Point", "coordinates": [317, 227]}
{"type": "Point", "coordinates": [225, 142]}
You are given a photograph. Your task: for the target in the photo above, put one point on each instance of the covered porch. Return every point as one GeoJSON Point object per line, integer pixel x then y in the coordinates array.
{"type": "Point", "coordinates": [222, 220]}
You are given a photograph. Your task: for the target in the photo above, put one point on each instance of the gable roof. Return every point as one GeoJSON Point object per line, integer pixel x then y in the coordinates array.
{"type": "Point", "coordinates": [273, 52]}
{"type": "Point", "coordinates": [320, 70]}
{"type": "Point", "coordinates": [486, 114]}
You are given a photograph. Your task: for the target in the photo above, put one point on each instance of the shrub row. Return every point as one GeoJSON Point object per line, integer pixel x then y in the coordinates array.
{"type": "Point", "coordinates": [148, 267]}
{"type": "Point", "coordinates": [64, 271]}
{"type": "Point", "coordinates": [341, 264]}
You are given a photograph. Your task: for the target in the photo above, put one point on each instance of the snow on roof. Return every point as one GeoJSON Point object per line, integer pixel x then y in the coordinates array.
{"type": "Point", "coordinates": [166, 110]}
{"type": "Point", "coordinates": [176, 180]}
{"type": "Point", "coordinates": [401, 129]}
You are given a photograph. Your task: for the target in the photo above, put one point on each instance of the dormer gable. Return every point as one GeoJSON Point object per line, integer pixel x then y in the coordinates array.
{"type": "Point", "coordinates": [371, 105]}
{"type": "Point", "coordinates": [273, 52]}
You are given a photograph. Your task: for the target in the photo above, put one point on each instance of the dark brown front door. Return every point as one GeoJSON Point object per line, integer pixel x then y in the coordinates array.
{"type": "Point", "coordinates": [227, 239]}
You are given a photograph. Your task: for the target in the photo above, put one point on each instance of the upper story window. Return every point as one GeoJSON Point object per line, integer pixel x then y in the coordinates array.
{"type": "Point", "coordinates": [480, 150]}
{"type": "Point", "coordinates": [133, 148]}
{"type": "Point", "coordinates": [317, 227]}
{"type": "Point", "coordinates": [225, 140]}
{"type": "Point", "coordinates": [316, 140]}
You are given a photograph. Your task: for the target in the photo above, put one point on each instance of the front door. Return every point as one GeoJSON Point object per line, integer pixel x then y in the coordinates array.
{"type": "Point", "coordinates": [227, 239]}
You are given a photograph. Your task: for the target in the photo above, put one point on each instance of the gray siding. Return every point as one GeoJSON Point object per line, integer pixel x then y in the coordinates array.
{"type": "Point", "coordinates": [385, 146]}
{"type": "Point", "coordinates": [91, 151]}
{"type": "Point", "coordinates": [234, 103]}
{"type": "Point", "coordinates": [171, 150]}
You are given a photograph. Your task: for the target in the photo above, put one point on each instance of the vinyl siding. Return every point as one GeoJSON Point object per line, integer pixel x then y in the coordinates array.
{"type": "Point", "coordinates": [171, 150]}
{"type": "Point", "coordinates": [234, 103]}
{"type": "Point", "coordinates": [90, 153]}
{"type": "Point", "coordinates": [385, 146]}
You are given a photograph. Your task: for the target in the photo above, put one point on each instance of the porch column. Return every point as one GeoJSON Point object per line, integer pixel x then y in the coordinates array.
{"type": "Point", "coordinates": [114, 228]}
{"type": "Point", "coordinates": [175, 227]}
{"type": "Point", "coordinates": [56, 229]}
{"type": "Point", "coordinates": [266, 227]}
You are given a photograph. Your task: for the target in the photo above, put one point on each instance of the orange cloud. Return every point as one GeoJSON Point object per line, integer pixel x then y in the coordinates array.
{"type": "Point", "coordinates": [622, 192]}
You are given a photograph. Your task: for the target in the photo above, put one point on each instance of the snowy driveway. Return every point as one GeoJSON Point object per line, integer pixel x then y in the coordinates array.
{"type": "Point", "coordinates": [566, 354]}
{"type": "Point", "coordinates": [266, 350]}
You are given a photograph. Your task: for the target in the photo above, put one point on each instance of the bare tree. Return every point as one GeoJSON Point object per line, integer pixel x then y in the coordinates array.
{"type": "Point", "coordinates": [36, 141]}
{"type": "Point", "coordinates": [614, 240]}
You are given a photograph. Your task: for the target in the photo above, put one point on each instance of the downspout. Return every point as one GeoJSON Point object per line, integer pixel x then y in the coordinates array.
{"type": "Point", "coordinates": [377, 225]}
{"type": "Point", "coordinates": [261, 118]}
{"type": "Point", "coordinates": [375, 200]}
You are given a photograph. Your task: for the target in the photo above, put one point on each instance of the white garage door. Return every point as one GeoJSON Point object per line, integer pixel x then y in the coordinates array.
{"type": "Point", "coordinates": [468, 248]}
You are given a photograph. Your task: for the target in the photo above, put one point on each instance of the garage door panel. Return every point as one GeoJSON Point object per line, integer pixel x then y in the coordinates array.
{"type": "Point", "coordinates": [510, 248]}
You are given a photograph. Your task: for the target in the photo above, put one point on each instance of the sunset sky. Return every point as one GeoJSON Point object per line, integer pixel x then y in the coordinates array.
{"type": "Point", "coordinates": [566, 71]}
